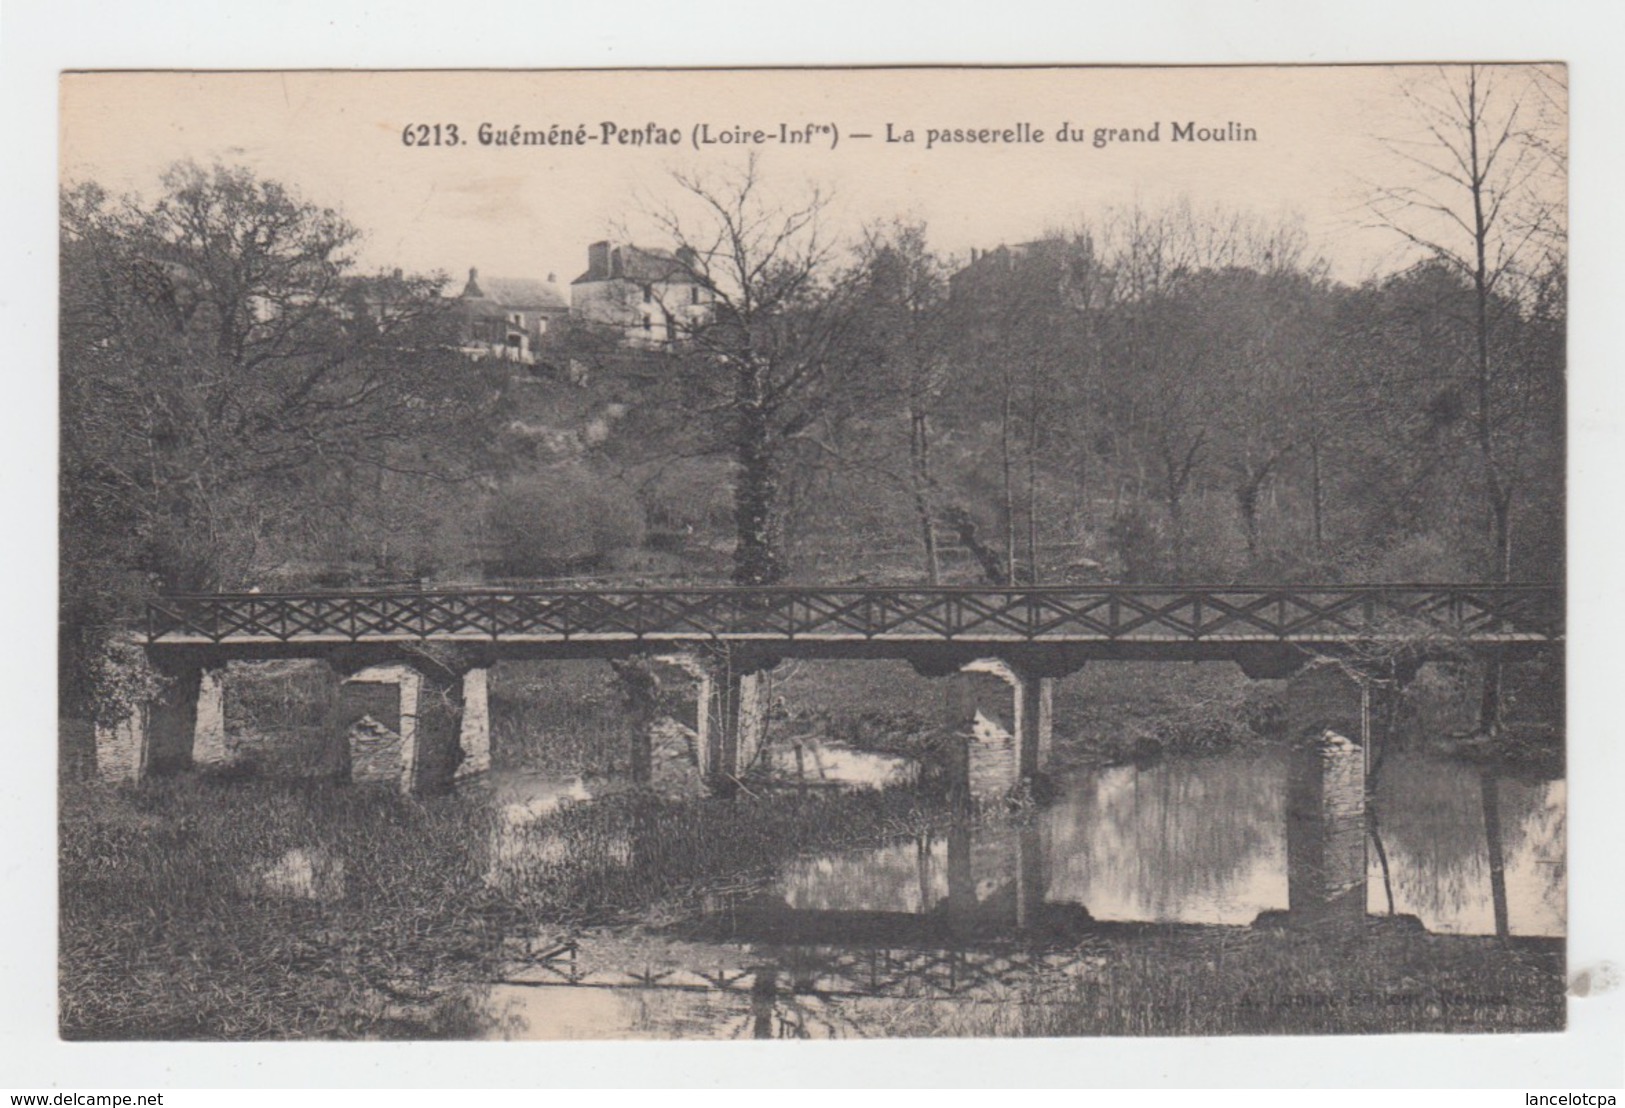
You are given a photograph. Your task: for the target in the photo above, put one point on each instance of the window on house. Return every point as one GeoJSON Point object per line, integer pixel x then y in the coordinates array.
{"type": "Point", "coordinates": [694, 294]}
{"type": "Point", "coordinates": [648, 294]}
{"type": "Point", "coordinates": [648, 324]}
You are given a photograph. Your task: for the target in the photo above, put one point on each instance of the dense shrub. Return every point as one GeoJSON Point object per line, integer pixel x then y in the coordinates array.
{"type": "Point", "coordinates": [561, 520]}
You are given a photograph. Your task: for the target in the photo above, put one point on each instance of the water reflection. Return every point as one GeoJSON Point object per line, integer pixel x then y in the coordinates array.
{"type": "Point", "coordinates": [1181, 841]}
{"type": "Point", "coordinates": [1014, 908]}
{"type": "Point", "coordinates": [1433, 829]}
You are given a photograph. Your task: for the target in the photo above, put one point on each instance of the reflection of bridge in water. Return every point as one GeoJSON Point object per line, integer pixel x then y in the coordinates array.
{"type": "Point", "coordinates": [983, 927]}
{"type": "Point", "coordinates": [990, 973]}
{"type": "Point", "coordinates": [992, 931]}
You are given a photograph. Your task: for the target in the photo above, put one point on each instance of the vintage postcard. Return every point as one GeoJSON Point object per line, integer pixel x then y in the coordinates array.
{"type": "Point", "coordinates": [813, 553]}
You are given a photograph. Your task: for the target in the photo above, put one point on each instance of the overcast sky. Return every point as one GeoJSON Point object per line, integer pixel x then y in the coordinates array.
{"type": "Point", "coordinates": [530, 210]}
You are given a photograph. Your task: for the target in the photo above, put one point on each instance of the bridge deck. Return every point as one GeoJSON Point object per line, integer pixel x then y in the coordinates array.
{"type": "Point", "coordinates": [1151, 617]}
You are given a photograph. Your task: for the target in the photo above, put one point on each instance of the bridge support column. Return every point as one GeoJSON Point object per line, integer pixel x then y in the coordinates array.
{"type": "Point", "coordinates": [1329, 721]}
{"type": "Point", "coordinates": [162, 734]}
{"type": "Point", "coordinates": [1035, 722]}
{"type": "Point", "coordinates": [642, 689]}
{"type": "Point", "coordinates": [209, 735]}
{"type": "Point", "coordinates": [681, 687]}
{"type": "Point", "coordinates": [121, 748]}
{"type": "Point", "coordinates": [475, 733]}
{"type": "Point", "coordinates": [734, 726]}
{"type": "Point", "coordinates": [1032, 878]}
{"type": "Point", "coordinates": [172, 719]}
{"type": "Point", "coordinates": [403, 726]}
{"type": "Point", "coordinates": [1002, 717]}
{"type": "Point", "coordinates": [961, 874]}
{"type": "Point", "coordinates": [438, 752]}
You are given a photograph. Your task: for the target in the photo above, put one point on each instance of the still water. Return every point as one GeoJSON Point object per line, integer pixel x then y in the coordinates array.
{"type": "Point", "coordinates": [843, 944]}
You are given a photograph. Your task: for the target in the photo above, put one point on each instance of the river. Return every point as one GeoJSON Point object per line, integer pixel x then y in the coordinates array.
{"type": "Point", "coordinates": [843, 944]}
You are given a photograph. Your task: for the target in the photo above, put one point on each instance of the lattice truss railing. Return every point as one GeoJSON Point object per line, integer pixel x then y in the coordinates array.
{"type": "Point", "coordinates": [1483, 613]}
{"type": "Point", "coordinates": [987, 973]}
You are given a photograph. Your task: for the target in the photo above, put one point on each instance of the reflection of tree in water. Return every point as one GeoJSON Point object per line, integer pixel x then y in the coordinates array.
{"type": "Point", "coordinates": [1432, 815]}
{"type": "Point", "coordinates": [1176, 838]}
{"type": "Point", "coordinates": [893, 878]}
{"type": "Point", "coordinates": [1541, 838]}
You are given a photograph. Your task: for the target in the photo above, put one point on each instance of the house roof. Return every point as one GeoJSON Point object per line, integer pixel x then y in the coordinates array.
{"type": "Point", "coordinates": [637, 263]}
{"type": "Point", "coordinates": [518, 293]}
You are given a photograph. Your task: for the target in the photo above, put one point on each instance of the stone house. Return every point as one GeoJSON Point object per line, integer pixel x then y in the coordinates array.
{"type": "Point", "coordinates": [508, 318]}
{"type": "Point", "coordinates": [651, 296]}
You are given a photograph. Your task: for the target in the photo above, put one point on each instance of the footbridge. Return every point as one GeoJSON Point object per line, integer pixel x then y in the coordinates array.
{"type": "Point", "coordinates": [432, 650]}
{"type": "Point", "coordinates": [1117, 621]}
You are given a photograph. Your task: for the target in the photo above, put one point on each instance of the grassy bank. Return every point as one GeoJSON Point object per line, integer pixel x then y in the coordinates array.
{"type": "Point", "coordinates": [1240, 981]}
{"type": "Point", "coordinates": [1107, 712]}
{"type": "Point", "coordinates": [1114, 712]}
{"type": "Point", "coordinates": [199, 908]}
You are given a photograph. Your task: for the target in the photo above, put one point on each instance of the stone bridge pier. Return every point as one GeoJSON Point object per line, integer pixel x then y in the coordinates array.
{"type": "Point", "coordinates": [997, 713]}
{"type": "Point", "coordinates": [999, 720]}
{"type": "Point", "coordinates": [422, 727]}
{"type": "Point", "coordinates": [1332, 725]}
{"type": "Point", "coordinates": [721, 695]}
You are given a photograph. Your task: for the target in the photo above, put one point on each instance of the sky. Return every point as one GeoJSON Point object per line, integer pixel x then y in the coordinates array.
{"type": "Point", "coordinates": [531, 210]}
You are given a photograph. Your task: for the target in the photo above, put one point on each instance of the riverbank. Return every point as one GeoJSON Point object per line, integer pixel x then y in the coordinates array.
{"type": "Point", "coordinates": [1105, 714]}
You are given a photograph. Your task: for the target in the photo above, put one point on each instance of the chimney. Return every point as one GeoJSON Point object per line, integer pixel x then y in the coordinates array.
{"type": "Point", "coordinates": [552, 278]}
{"type": "Point", "coordinates": [472, 289]}
{"type": "Point", "coordinates": [598, 261]}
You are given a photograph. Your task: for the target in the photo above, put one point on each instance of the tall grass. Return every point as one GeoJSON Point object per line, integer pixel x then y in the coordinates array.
{"type": "Point", "coordinates": [1238, 981]}
{"type": "Point", "coordinates": [183, 914]}
{"type": "Point", "coordinates": [170, 927]}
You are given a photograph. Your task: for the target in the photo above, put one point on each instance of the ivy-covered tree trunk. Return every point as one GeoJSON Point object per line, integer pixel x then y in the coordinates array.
{"type": "Point", "coordinates": [757, 557]}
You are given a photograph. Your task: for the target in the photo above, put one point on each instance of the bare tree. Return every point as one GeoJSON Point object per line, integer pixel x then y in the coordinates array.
{"type": "Point", "coordinates": [1485, 199]}
{"type": "Point", "coordinates": [759, 360]}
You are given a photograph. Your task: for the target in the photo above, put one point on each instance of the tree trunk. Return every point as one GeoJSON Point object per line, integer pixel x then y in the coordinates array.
{"type": "Point", "coordinates": [1501, 532]}
{"type": "Point", "coordinates": [1490, 797]}
{"type": "Point", "coordinates": [1316, 496]}
{"type": "Point", "coordinates": [1247, 505]}
{"type": "Point", "coordinates": [1489, 704]}
{"type": "Point", "coordinates": [1009, 488]}
{"type": "Point", "coordinates": [1499, 493]}
{"type": "Point", "coordinates": [757, 559]}
{"type": "Point", "coordinates": [1032, 489]}
{"type": "Point", "coordinates": [920, 474]}
{"type": "Point", "coordinates": [964, 527]}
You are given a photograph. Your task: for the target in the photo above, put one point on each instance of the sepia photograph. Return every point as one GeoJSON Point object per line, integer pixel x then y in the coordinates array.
{"type": "Point", "coordinates": [812, 553]}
